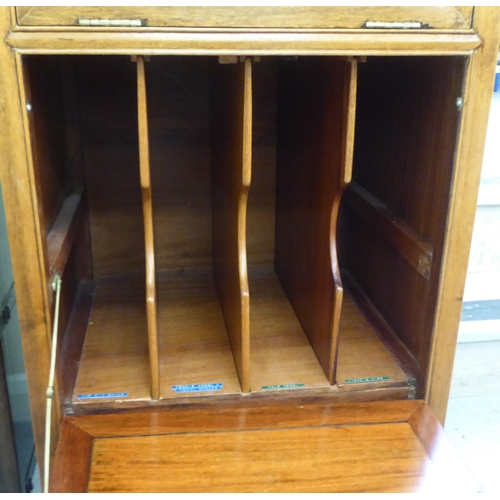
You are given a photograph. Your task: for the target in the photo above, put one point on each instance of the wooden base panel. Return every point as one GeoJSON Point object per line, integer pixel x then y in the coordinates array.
{"type": "Point", "coordinates": [115, 361]}
{"type": "Point", "coordinates": [363, 360]}
{"type": "Point", "coordinates": [377, 447]}
{"type": "Point", "coordinates": [281, 355]}
{"type": "Point", "coordinates": [195, 351]}
{"type": "Point", "coordinates": [194, 346]}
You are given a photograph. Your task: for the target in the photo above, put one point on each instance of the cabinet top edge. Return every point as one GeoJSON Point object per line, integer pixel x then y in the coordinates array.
{"type": "Point", "coordinates": [352, 42]}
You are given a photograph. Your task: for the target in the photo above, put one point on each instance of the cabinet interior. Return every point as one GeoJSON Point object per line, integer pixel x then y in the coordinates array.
{"type": "Point", "coordinates": [273, 271]}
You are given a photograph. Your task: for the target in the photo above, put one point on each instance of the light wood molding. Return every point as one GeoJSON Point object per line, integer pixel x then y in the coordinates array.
{"type": "Point", "coordinates": [477, 99]}
{"type": "Point", "coordinates": [436, 18]}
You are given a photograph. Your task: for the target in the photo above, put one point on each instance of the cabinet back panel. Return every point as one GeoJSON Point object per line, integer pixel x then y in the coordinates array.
{"type": "Point", "coordinates": [179, 131]}
{"type": "Point", "coordinates": [406, 127]}
{"type": "Point", "coordinates": [261, 216]}
{"type": "Point", "coordinates": [109, 116]}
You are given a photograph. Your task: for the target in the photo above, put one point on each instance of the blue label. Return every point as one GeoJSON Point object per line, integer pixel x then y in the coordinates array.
{"type": "Point", "coordinates": [104, 395]}
{"type": "Point", "coordinates": [197, 387]}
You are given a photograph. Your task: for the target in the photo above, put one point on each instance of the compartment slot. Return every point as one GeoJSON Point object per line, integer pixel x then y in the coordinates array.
{"type": "Point", "coordinates": [195, 352]}
{"type": "Point", "coordinates": [194, 346]}
{"type": "Point", "coordinates": [115, 359]}
{"type": "Point", "coordinates": [407, 123]}
{"type": "Point", "coordinates": [115, 362]}
{"type": "Point", "coordinates": [231, 176]}
{"type": "Point", "coordinates": [363, 359]}
{"type": "Point", "coordinates": [281, 354]}
{"type": "Point", "coordinates": [147, 208]}
{"type": "Point", "coordinates": [313, 164]}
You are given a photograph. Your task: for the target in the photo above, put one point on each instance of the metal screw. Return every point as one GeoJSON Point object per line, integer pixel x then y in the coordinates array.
{"type": "Point", "coordinates": [460, 103]}
{"type": "Point", "coordinates": [28, 107]}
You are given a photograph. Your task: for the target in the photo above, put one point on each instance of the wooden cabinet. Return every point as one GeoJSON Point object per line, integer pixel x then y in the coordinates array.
{"type": "Point", "coordinates": [239, 214]}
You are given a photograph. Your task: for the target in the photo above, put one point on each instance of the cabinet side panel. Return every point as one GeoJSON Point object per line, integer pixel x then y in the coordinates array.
{"type": "Point", "coordinates": [309, 176]}
{"type": "Point", "coordinates": [24, 237]}
{"type": "Point", "coordinates": [477, 99]}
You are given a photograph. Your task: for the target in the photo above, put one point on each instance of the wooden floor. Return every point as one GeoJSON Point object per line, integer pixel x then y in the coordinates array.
{"type": "Point", "coordinates": [394, 446]}
{"type": "Point", "coordinates": [194, 347]}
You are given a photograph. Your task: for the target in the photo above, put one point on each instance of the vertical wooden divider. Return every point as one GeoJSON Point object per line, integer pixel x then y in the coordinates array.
{"type": "Point", "coordinates": [349, 122]}
{"type": "Point", "coordinates": [316, 111]}
{"type": "Point", "coordinates": [147, 207]}
{"type": "Point", "coordinates": [231, 177]}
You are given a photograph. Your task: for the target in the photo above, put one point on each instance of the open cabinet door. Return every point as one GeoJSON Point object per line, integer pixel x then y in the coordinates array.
{"type": "Point", "coordinates": [391, 446]}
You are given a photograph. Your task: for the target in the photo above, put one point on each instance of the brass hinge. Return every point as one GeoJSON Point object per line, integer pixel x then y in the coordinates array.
{"type": "Point", "coordinates": [113, 23]}
{"type": "Point", "coordinates": [407, 25]}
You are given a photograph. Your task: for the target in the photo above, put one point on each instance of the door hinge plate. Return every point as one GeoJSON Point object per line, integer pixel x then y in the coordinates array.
{"type": "Point", "coordinates": [407, 25]}
{"type": "Point", "coordinates": [111, 23]}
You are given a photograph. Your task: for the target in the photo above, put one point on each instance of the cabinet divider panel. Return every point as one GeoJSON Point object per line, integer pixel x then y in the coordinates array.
{"type": "Point", "coordinates": [312, 165]}
{"type": "Point", "coordinates": [231, 177]}
{"type": "Point", "coordinates": [147, 206]}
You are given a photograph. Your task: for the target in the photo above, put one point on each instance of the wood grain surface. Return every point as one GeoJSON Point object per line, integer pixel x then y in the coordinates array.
{"type": "Point", "coordinates": [231, 115]}
{"type": "Point", "coordinates": [362, 355]}
{"type": "Point", "coordinates": [377, 447]}
{"type": "Point", "coordinates": [73, 460]}
{"type": "Point", "coordinates": [443, 17]}
{"type": "Point", "coordinates": [147, 212]}
{"type": "Point", "coordinates": [308, 179]}
{"type": "Point", "coordinates": [464, 188]}
{"type": "Point", "coordinates": [194, 344]}
{"type": "Point", "coordinates": [192, 43]}
{"type": "Point", "coordinates": [115, 355]}
{"type": "Point", "coordinates": [414, 247]}
{"type": "Point", "coordinates": [281, 353]}
{"type": "Point", "coordinates": [28, 260]}
{"type": "Point", "coordinates": [401, 160]}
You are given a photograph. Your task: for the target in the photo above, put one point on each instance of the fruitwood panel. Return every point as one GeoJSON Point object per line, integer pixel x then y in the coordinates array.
{"type": "Point", "coordinates": [193, 342]}
{"type": "Point", "coordinates": [231, 114]}
{"type": "Point", "coordinates": [311, 111]}
{"type": "Point", "coordinates": [443, 17]}
{"type": "Point", "coordinates": [25, 233]}
{"type": "Point", "coordinates": [390, 446]}
{"type": "Point", "coordinates": [193, 43]}
{"type": "Point", "coordinates": [115, 354]}
{"type": "Point", "coordinates": [261, 210]}
{"type": "Point", "coordinates": [362, 355]}
{"type": "Point", "coordinates": [281, 353]}
{"type": "Point", "coordinates": [179, 132]}
{"type": "Point", "coordinates": [108, 89]}
{"type": "Point", "coordinates": [147, 210]}
{"type": "Point", "coordinates": [477, 99]}
{"type": "Point", "coordinates": [416, 249]}
{"type": "Point", "coordinates": [407, 124]}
